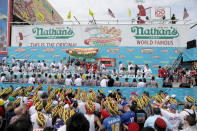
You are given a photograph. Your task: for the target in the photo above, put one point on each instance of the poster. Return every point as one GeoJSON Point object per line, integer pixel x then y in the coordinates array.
{"type": "Point", "coordinates": [160, 12]}
{"type": "Point", "coordinates": [100, 35]}
{"type": "Point", "coordinates": [3, 26]}
{"type": "Point", "coordinates": [36, 12]}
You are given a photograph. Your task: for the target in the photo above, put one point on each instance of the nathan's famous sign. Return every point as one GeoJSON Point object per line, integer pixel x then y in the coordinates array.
{"type": "Point", "coordinates": [111, 36]}
{"type": "Point", "coordinates": [52, 33]}
{"type": "Point", "coordinates": [155, 35]}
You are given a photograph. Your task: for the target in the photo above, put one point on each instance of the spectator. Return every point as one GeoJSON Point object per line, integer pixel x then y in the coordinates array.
{"type": "Point", "coordinates": [128, 116]}
{"type": "Point", "coordinates": [77, 123]}
{"type": "Point", "coordinates": [150, 122]}
{"type": "Point", "coordinates": [173, 117]}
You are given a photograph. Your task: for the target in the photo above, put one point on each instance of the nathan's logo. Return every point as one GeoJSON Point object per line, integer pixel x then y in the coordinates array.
{"type": "Point", "coordinates": [154, 33]}
{"type": "Point", "coordinates": [113, 50]}
{"type": "Point", "coordinates": [52, 33]}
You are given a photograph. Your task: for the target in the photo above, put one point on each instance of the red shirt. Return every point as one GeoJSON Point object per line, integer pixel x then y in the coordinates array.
{"type": "Point", "coordinates": [163, 73]}
{"type": "Point", "coordinates": [88, 65]}
{"type": "Point", "coordinates": [159, 72]}
{"type": "Point", "coordinates": [94, 68]}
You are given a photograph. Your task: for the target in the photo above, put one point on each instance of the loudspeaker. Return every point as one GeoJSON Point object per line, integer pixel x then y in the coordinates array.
{"type": "Point", "coordinates": [191, 44]}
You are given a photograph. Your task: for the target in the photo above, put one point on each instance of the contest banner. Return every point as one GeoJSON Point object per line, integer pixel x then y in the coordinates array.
{"type": "Point", "coordinates": [160, 12]}
{"type": "Point", "coordinates": [3, 26]}
{"type": "Point", "coordinates": [100, 35]}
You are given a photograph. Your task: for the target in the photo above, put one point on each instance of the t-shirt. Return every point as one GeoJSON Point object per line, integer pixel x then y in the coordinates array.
{"type": "Point", "coordinates": [62, 128]}
{"type": "Point", "coordinates": [175, 119]}
{"type": "Point", "coordinates": [112, 123]}
{"type": "Point", "coordinates": [128, 117]}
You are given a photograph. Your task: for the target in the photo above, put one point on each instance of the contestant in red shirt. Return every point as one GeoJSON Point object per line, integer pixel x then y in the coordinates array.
{"type": "Point", "coordinates": [163, 73]}
{"type": "Point", "coordinates": [159, 71]}
{"type": "Point", "coordinates": [95, 68]}
{"type": "Point", "coordinates": [88, 65]}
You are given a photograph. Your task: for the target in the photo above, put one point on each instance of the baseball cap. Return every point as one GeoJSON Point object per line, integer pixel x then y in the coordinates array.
{"type": "Point", "coordinates": [173, 106]}
{"type": "Point", "coordinates": [133, 126]}
{"type": "Point", "coordinates": [124, 103]}
{"type": "Point", "coordinates": [160, 123]}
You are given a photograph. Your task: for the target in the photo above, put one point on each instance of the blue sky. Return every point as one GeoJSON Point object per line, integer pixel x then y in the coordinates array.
{"type": "Point", "coordinates": [80, 8]}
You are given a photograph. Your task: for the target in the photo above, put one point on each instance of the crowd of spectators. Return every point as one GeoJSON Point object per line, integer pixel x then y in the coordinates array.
{"type": "Point", "coordinates": [65, 109]}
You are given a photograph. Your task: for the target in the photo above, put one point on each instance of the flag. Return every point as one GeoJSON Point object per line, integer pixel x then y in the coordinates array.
{"type": "Point", "coordinates": [40, 16]}
{"type": "Point", "coordinates": [25, 15]}
{"type": "Point", "coordinates": [129, 11]}
{"type": "Point", "coordinates": [69, 15]}
{"type": "Point", "coordinates": [91, 13]}
{"type": "Point", "coordinates": [185, 14]}
{"type": "Point", "coordinates": [111, 13]}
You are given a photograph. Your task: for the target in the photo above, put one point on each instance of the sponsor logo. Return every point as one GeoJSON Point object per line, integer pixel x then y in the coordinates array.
{"type": "Point", "coordinates": [139, 57]}
{"type": "Point", "coordinates": [147, 61]}
{"type": "Point", "coordinates": [147, 51]}
{"type": "Point", "coordinates": [178, 51]}
{"type": "Point", "coordinates": [27, 55]}
{"type": "Point", "coordinates": [155, 57]}
{"type": "Point", "coordinates": [155, 66]}
{"type": "Point", "coordinates": [130, 50]}
{"type": "Point", "coordinates": [130, 61]}
{"type": "Point", "coordinates": [48, 50]}
{"type": "Point", "coordinates": [164, 62]}
{"type": "Point", "coordinates": [20, 50]}
{"type": "Point", "coordinates": [104, 56]}
{"type": "Point", "coordinates": [171, 57]}
{"type": "Point", "coordinates": [53, 33]}
{"type": "Point", "coordinates": [121, 56]}
{"type": "Point", "coordinates": [164, 51]}
{"type": "Point", "coordinates": [56, 56]}
{"type": "Point", "coordinates": [141, 66]}
{"type": "Point", "coordinates": [34, 50]}
{"type": "Point", "coordinates": [154, 33]}
{"type": "Point", "coordinates": [41, 56]}
{"type": "Point", "coordinates": [113, 50]}
{"type": "Point", "coordinates": [159, 12]}
{"type": "Point", "coordinates": [48, 60]}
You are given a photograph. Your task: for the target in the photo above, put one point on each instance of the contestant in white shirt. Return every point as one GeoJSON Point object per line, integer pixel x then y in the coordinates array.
{"type": "Point", "coordinates": [141, 84]}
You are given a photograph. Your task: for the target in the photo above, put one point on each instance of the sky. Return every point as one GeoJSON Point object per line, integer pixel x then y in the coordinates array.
{"type": "Point", "coordinates": [80, 9]}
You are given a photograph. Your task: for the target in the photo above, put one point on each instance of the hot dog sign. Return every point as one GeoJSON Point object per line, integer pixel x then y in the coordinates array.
{"type": "Point", "coordinates": [103, 36]}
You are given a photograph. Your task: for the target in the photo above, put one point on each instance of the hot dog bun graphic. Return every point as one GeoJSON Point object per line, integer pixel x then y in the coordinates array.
{"type": "Point", "coordinates": [82, 52]}
{"type": "Point", "coordinates": [102, 41]}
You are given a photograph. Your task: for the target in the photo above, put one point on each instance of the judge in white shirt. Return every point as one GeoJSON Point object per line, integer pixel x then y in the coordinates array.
{"type": "Point", "coordinates": [120, 65]}
{"type": "Point", "coordinates": [3, 78]}
{"type": "Point", "coordinates": [147, 72]}
{"type": "Point", "coordinates": [139, 72]}
{"type": "Point", "coordinates": [104, 82]}
{"type": "Point", "coordinates": [4, 59]}
{"type": "Point", "coordinates": [78, 81]}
